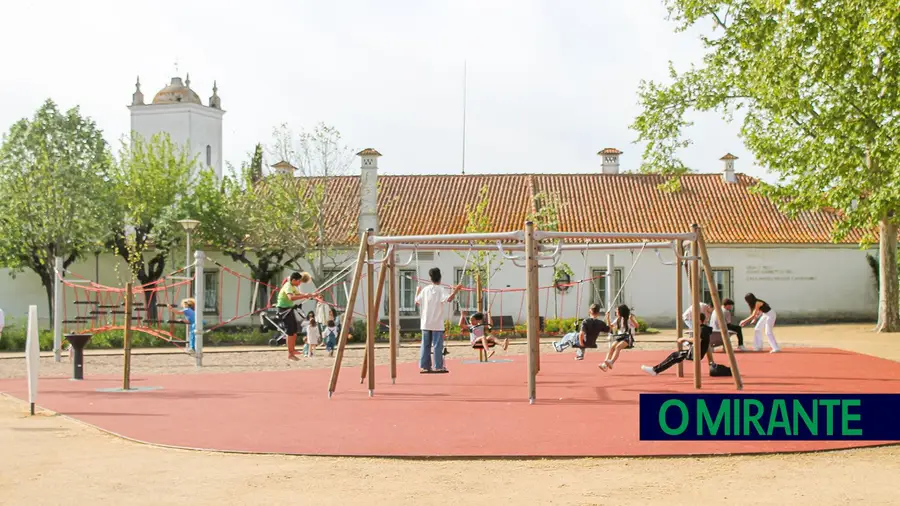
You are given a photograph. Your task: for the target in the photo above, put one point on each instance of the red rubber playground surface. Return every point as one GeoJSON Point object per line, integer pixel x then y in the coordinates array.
{"type": "Point", "coordinates": [477, 410]}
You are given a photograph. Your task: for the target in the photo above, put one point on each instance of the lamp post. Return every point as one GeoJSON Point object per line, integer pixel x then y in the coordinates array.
{"type": "Point", "coordinates": [188, 226]}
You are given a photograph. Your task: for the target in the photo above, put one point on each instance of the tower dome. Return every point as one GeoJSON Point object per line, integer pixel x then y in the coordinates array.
{"type": "Point", "coordinates": [177, 92]}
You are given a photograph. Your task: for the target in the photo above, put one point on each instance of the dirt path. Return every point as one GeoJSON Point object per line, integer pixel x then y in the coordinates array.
{"type": "Point", "coordinates": [51, 459]}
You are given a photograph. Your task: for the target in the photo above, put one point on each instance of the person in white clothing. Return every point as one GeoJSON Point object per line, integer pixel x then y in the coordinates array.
{"type": "Point", "coordinates": [764, 315]}
{"type": "Point", "coordinates": [431, 300]}
{"type": "Point", "coordinates": [728, 310]}
{"type": "Point", "coordinates": [688, 315]}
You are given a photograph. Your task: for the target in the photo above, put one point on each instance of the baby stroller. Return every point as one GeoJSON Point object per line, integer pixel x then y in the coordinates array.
{"type": "Point", "coordinates": [273, 319]}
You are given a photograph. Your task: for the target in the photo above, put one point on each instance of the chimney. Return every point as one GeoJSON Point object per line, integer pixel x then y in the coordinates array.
{"type": "Point", "coordinates": [368, 190]}
{"type": "Point", "coordinates": [729, 176]}
{"type": "Point", "coordinates": [610, 160]}
{"type": "Point", "coordinates": [284, 167]}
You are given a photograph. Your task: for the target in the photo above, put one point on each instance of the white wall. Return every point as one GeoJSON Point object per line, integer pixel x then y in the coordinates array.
{"type": "Point", "coordinates": [801, 284]}
{"type": "Point", "coordinates": [187, 124]}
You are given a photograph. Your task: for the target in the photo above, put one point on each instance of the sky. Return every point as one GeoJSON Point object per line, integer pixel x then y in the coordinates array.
{"type": "Point", "coordinates": [549, 83]}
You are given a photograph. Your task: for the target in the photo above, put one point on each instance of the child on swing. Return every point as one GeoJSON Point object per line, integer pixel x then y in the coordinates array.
{"type": "Point", "coordinates": [625, 326]}
{"type": "Point", "coordinates": [591, 327]}
{"type": "Point", "coordinates": [476, 328]}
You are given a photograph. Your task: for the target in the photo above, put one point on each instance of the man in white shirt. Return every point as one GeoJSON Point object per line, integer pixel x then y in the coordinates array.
{"type": "Point", "coordinates": [431, 300]}
{"type": "Point", "coordinates": [688, 315]}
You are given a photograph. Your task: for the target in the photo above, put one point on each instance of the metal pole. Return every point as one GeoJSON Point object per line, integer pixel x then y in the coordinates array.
{"type": "Point", "coordinates": [126, 345]}
{"type": "Point", "coordinates": [394, 315]}
{"type": "Point", "coordinates": [187, 258]}
{"type": "Point", "coordinates": [57, 309]}
{"type": "Point", "coordinates": [198, 310]}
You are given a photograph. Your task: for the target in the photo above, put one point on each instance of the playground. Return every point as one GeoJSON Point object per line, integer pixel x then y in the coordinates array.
{"type": "Point", "coordinates": [370, 401]}
{"type": "Point", "coordinates": [47, 448]}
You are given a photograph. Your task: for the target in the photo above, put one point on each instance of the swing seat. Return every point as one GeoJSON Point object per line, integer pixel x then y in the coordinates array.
{"type": "Point", "coordinates": [588, 346]}
{"type": "Point", "coordinates": [482, 353]}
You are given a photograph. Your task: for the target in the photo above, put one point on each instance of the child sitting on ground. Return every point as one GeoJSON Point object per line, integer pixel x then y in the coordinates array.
{"type": "Point", "coordinates": [686, 354]}
{"type": "Point", "coordinates": [313, 335]}
{"type": "Point", "coordinates": [331, 337]}
{"type": "Point", "coordinates": [591, 327]}
{"type": "Point", "coordinates": [476, 328]}
{"type": "Point", "coordinates": [625, 326]}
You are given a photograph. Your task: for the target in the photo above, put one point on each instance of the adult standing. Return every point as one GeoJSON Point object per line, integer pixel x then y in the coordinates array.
{"type": "Point", "coordinates": [764, 315]}
{"type": "Point", "coordinates": [431, 300]}
{"type": "Point", "coordinates": [289, 293]}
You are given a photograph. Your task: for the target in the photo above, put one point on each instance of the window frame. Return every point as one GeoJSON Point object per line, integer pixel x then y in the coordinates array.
{"type": "Point", "coordinates": [727, 291]}
{"type": "Point", "coordinates": [214, 275]}
{"type": "Point", "coordinates": [618, 278]}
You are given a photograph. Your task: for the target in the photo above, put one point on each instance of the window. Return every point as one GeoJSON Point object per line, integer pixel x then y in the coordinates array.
{"type": "Point", "coordinates": [599, 286]}
{"type": "Point", "coordinates": [465, 300]}
{"type": "Point", "coordinates": [210, 291]}
{"type": "Point", "coordinates": [724, 286]}
{"type": "Point", "coordinates": [407, 290]}
{"type": "Point", "coordinates": [337, 294]}
{"type": "Point", "coordinates": [208, 155]}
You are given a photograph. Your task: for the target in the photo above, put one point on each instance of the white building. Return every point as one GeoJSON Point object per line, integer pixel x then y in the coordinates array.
{"type": "Point", "coordinates": [791, 263]}
{"type": "Point", "coordinates": [178, 110]}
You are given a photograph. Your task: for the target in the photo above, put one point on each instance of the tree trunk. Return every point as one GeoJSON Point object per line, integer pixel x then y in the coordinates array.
{"type": "Point", "coordinates": [479, 294]}
{"type": "Point", "coordinates": [47, 281]}
{"type": "Point", "coordinates": [888, 300]}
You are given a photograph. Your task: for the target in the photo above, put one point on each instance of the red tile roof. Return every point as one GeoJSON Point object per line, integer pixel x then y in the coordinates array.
{"type": "Point", "coordinates": [728, 212]}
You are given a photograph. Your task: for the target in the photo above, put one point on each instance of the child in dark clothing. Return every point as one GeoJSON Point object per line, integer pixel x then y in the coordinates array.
{"type": "Point", "coordinates": [685, 354]}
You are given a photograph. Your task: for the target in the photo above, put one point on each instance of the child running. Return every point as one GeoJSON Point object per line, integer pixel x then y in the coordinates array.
{"type": "Point", "coordinates": [477, 335]}
{"type": "Point", "coordinates": [625, 327]}
{"type": "Point", "coordinates": [330, 337]}
{"type": "Point", "coordinates": [591, 327]}
{"type": "Point", "coordinates": [686, 354]}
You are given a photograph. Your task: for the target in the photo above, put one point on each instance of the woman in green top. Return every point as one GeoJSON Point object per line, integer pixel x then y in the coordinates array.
{"type": "Point", "coordinates": [290, 292]}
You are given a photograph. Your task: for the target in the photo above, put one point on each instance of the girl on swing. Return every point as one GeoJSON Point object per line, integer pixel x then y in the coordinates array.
{"type": "Point", "coordinates": [623, 332]}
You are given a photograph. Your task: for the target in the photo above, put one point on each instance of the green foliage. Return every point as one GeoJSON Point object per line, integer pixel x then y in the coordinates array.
{"type": "Point", "coordinates": [559, 325]}
{"type": "Point", "coordinates": [54, 200]}
{"type": "Point", "coordinates": [546, 208]}
{"type": "Point", "coordinates": [482, 264]}
{"type": "Point", "coordinates": [818, 85]}
{"type": "Point", "coordinates": [151, 183]}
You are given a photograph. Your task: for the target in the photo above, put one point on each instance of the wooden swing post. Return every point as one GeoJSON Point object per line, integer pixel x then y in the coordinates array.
{"type": "Point", "coordinates": [371, 312]}
{"type": "Point", "coordinates": [695, 306]}
{"type": "Point", "coordinates": [679, 301]}
{"type": "Point", "coordinates": [382, 272]}
{"type": "Point", "coordinates": [532, 319]}
{"type": "Point", "coordinates": [393, 314]}
{"type": "Point", "coordinates": [348, 313]}
{"type": "Point", "coordinates": [720, 312]}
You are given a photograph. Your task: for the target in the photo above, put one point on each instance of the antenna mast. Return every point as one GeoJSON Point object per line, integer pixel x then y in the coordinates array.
{"type": "Point", "coordinates": [465, 83]}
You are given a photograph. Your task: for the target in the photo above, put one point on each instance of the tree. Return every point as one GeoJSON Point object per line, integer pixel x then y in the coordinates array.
{"type": "Point", "coordinates": [54, 200]}
{"type": "Point", "coordinates": [265, 224]}
{"type": "Point", "coordinates": [546, 207]}
{"type": "Point", "coordinates": [319, 156]}
{"type": "Point", "coordinates": [152, 186]}
{"type": "Point", "coordinates": [818, 84]}
{"type": "Point", "coordinates": [482, 264]}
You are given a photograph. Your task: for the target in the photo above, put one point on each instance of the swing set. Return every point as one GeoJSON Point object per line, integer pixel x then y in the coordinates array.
{"type": "Point", "coordinates": [525, 248]}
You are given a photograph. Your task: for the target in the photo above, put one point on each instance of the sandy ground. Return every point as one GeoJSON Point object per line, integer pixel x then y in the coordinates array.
{"type": "Point", "coordinates": [49, 459]}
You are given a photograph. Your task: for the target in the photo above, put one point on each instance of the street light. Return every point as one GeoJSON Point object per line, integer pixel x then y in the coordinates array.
{"type": "Point", "coordinates": [188, 225]}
